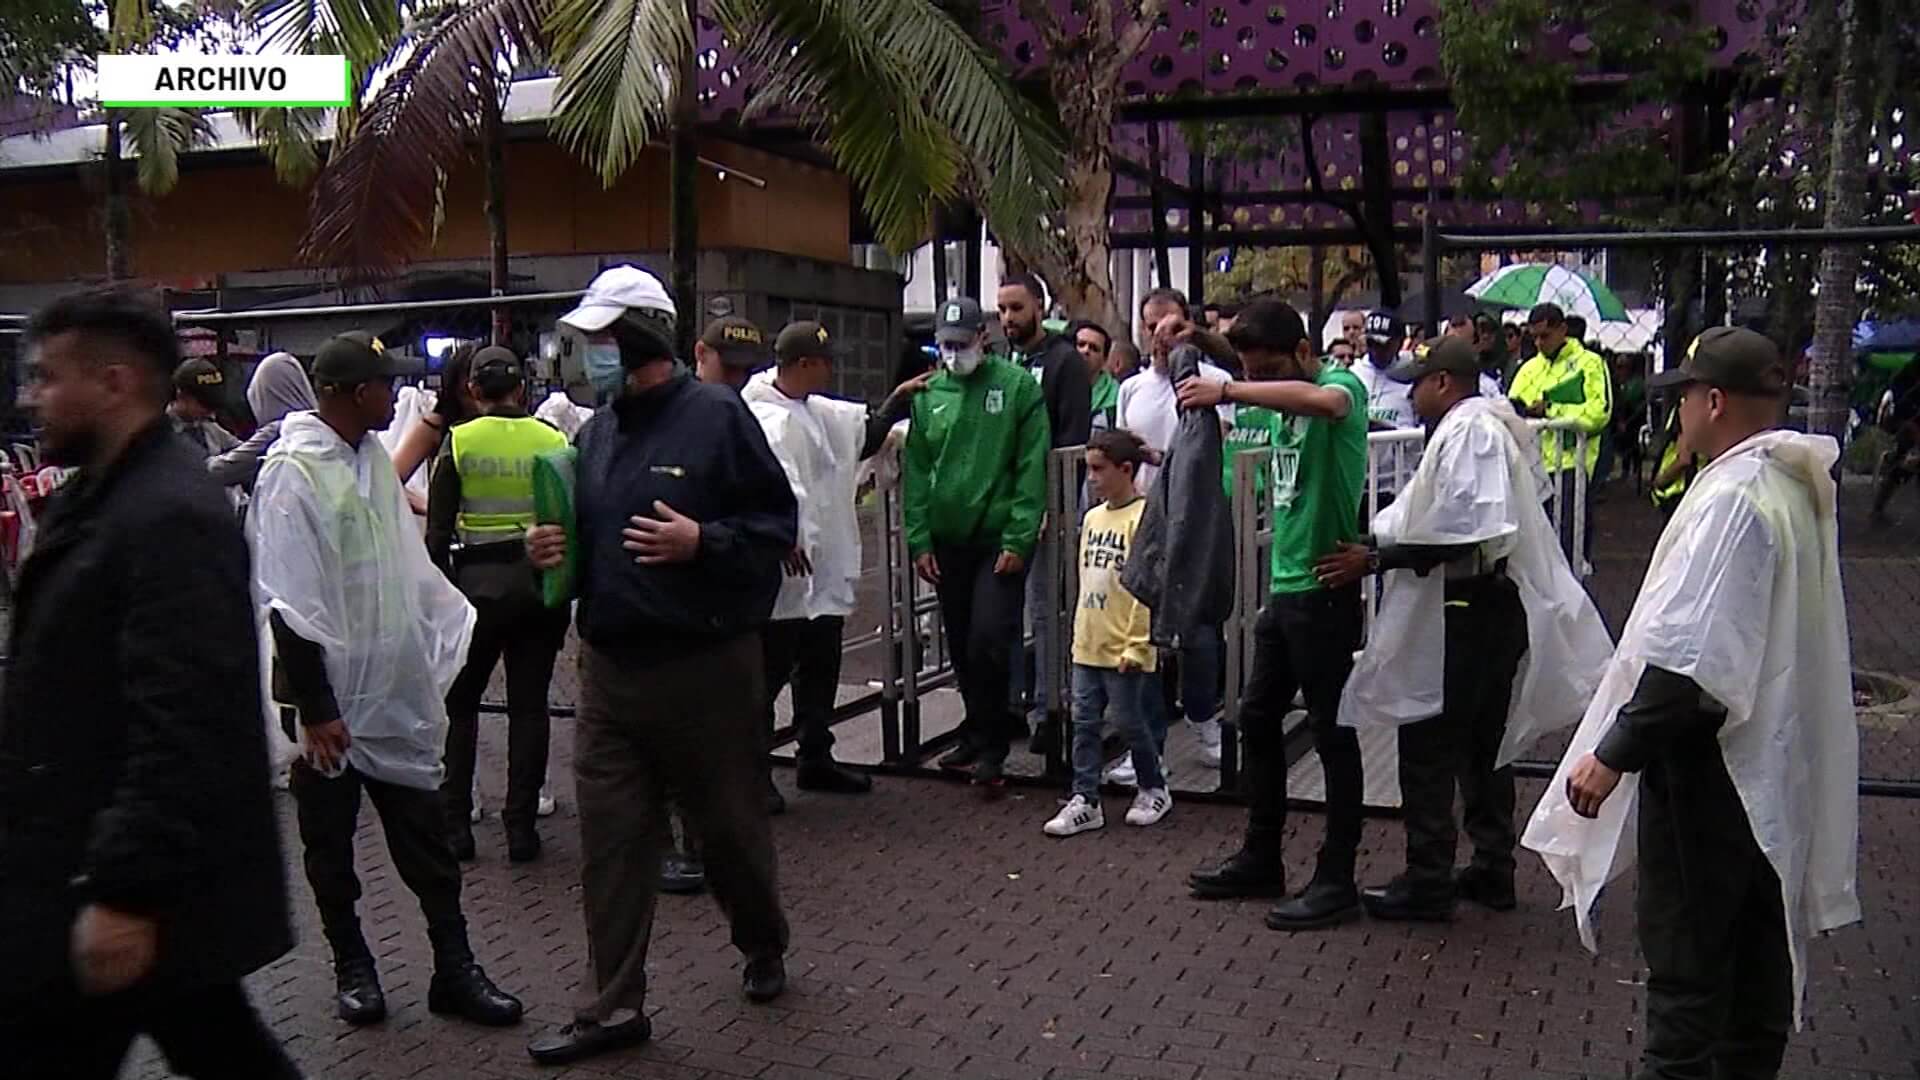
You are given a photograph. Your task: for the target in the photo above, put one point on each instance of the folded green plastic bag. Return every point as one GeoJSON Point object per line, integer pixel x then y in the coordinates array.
{"type": "Point", "coordinates": [1571, 391]}
{"type": "Point", "coordinates": [553, 478]}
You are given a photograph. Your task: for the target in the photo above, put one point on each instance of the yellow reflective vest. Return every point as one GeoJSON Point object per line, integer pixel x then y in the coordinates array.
{"type": "Point", "coordinates": [1576, 386]}
{"type": "Point", "coordinates": [494, 457]}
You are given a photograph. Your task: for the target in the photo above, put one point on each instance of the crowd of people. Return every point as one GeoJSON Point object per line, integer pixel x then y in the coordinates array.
{"type": "Point", "coordinates": [698, 528]}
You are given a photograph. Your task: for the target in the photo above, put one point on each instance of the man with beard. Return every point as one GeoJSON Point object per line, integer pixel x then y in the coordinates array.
{"type": "Point", "coordinates": [140, 868]}
{"type": "Point", "coordinates": [1305, 636]}
{"type": "Point", "coordinates": [1065, 386]}
{"type": "Point", "coordinates": [369, 637]}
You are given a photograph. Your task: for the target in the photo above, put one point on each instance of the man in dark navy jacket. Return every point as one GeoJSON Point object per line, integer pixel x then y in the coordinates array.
{"type": "Point", "coordinates": [683, 517]}
{"type": "Point", "coordinates": [140, 868]}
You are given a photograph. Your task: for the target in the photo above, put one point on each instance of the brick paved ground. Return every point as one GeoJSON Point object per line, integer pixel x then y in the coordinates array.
{"type": "Point", "coordinates": [936, 936]}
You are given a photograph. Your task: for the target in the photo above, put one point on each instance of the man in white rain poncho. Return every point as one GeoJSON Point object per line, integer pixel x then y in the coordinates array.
{"type": "Point", "coordinates": [820, 442]}
{"type": "Point", "coordinates": [369, 637]}
{"type": "Point", "coordinates": [1725, 723]}
{"type": "Point", "coordinates": [1483, 641]}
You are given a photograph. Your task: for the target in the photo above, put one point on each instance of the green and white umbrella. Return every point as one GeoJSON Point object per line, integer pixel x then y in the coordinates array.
{"type": "Point", "coordinates": [1523, 285]}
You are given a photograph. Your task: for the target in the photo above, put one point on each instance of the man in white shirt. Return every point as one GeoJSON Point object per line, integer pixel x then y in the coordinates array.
{"type": "Point", "coordinates": [1148, 409]}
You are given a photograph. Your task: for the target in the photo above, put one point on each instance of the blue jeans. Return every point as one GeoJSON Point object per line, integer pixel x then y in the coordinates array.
{"type": "Point", "coordinates": [1132, 694]}
{"type": "Point", "coordinates": [1200, 656]}
{"type": "Point", "coordinates": [1038, 691]}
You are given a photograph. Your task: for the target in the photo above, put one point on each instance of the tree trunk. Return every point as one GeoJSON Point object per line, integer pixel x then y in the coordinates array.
{"type": "Point", "coordinates": [493, 149]}
{"type": "Point", "coordinates": [1838, 302]}
{"type": "Point", "coordinates": [1084, 276]}
{"type": "Point", "coordinates": [1317, 294]}
{"type": "Point", "coordinates": [117, 215]}
{"type": "Point", "coordinates": [683, 189]}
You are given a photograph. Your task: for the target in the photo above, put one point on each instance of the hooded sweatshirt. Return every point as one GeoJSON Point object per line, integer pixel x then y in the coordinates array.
{"type": "Point", "coordinates": [279, 386]}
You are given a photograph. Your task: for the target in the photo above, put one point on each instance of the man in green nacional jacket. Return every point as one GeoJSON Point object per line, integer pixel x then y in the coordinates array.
{"type": "Point", "coordinates": [975, 490]}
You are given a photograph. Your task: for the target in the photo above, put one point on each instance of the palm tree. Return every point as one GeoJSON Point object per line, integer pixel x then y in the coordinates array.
{"type": "Point", "coordinates": [900, 96]}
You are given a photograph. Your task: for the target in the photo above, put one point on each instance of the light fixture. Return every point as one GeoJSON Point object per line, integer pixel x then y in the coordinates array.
{"type": "Point", "coordinates": [725, 172]}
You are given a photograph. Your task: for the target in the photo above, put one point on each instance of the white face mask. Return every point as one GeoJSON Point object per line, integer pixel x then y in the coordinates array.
{"type": "Point", "coordinates": [961, 361]}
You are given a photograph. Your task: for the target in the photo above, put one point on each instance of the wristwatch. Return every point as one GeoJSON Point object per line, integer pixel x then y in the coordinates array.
{"type": "Point", "coordinates": [1373, 559]}
{"type": "Point", "coordinates": [1226, 391]}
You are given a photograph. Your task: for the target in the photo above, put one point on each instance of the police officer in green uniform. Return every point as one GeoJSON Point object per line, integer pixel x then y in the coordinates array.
{"type": "Point", "coordinates": [479, 507]}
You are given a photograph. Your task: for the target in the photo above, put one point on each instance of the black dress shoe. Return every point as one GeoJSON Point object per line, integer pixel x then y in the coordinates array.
{"type": "Point", "coordinates": [523, 843]}
{"type": "Point", "coordinates": [765, 978]}
{"type": "Point", "coordinates": [358, 998]}
{"type": "Point", "coordinates": [581, 1040]}
{"type": "Point", "coordinates": [461, 841]}
{"type": "Point", "coordinates": [962, 758]}
{"type": "Point", "coordinates": [1243, 874]}
{"type": "Point", "coordinates": [1488, 888]}
{"type": "Point", "coordinates": [832, 777]}
{"type": "Point", "coordinates": [466, 992]}
{"type": "Point", "coordinates": [1402, 901]}
{"type": "Point", "coordinates": [1320, 905]}
{"type": "Point", "coordinates": [682, 875]}
{"type": "Point", "coordinates": [991, 775]}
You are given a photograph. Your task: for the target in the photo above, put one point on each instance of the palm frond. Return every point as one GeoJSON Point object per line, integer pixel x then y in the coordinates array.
{"type": "Point", "coordinates": [821, 58]}
{"type": "Point", "coordinates": [372, 205]}
{"type": "Point", "coordinates": [289, 137]}
{"type": "Point", "coordinates": [364, 31]}
{"type": "Point", "coordinates": [159, 137]}
{"type": "Point", "coordinates": [967, 91]}
{"type": "Point", "coordinates": [616, 60]}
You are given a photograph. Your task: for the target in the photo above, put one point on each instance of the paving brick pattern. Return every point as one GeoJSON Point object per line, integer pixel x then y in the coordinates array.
{"type": "Point", "coordinates": [936, 935]}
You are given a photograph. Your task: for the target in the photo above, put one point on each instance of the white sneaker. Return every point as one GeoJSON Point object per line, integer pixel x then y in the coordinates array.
{"type": "Point", "coordinates": [1121, 772]}
{"type": "Point", "coordinates": [546, 806]}
{"type": "Point", "coordinates": [1208, 732]}
{"type": "Point", "coordinates": [1150, 806]}
{"type": "Point", "coordinates": [1078, 816]}
{"type": "Point", "coordinates": [478, 811]}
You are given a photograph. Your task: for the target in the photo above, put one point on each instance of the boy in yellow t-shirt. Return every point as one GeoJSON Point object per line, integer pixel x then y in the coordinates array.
{"type": "Point", "coordinates": [1112, 658]}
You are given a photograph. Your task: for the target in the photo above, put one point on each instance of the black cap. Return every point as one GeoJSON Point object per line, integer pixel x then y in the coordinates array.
{"type": "Point", "coordinates": [959, 320]}
{"type": "Point", "coordinates": [1732, 358]}
{"type": "Point", "coordinates": [1451, 353]}
{"type": "Point", "coordinates": [201, 381]}
{"type": "Point", "coordinates": [738, 341]}
{"type": "Point", "coordinates": [497, 370]}
{"type": "Point", "coordinates": [1385, 327]}
{"type": "Point", "coordinates": [357, 357]}
{"type": "Point", "coordinates": [805, 339]}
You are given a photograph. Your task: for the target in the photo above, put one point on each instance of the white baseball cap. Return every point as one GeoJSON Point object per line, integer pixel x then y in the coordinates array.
{"type": "Point", "coordinates": [613, 293]}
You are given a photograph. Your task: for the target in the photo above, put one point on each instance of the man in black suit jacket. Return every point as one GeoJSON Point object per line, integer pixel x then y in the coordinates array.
{"type": "Point", "coordinates": [140, 867]}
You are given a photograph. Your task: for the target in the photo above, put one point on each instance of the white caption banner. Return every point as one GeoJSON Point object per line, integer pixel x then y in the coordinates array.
{"type": "Point", "coordinates": [175, 79]}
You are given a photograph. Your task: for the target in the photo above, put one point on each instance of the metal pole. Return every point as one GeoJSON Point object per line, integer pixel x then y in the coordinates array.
{"type": "Point", "coordinates": [1430, 270]}
{"type": "Point", "coordinates": [1494, 239]}
{"type": "Point", "coordinates": [1197, 231]}
{"type": "Point", "coordinates": [1162, 261]}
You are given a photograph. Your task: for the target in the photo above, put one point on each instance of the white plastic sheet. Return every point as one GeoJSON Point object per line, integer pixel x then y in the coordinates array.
{"type": "Point", "coordinates": [560, 411]}
{"type": "Point", "coordinates": [1474, 485]}
{"type": "Point", "coordinates": [1744, 597]}
{"type": "Point", "coordinates": [337, 555]}
{"type": "Point", "coordinates": [818, 442]}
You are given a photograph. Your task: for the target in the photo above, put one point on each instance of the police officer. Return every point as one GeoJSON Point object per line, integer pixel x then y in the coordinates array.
{"type": "Point", "coordinates": [479, 506]}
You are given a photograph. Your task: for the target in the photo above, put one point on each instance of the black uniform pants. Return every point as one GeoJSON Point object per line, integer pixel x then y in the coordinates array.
{"type": "Point", "coordinates": [689, 728]}
{"type": "Point", "coordinates": [1486, 635]}
{"type": "Point", "coordinates": [1303, 642]}
{"type": "Point", "coordinates": [981, 610]}
{"type": "Point", "coordinates": [415, 825]}
{"type": "Point", "coordinates": [205, 1032]}
{"type": "Point", "coordinates": [528, 635]}
{"type": "Point", "coordinates": [1712, 928]}
{"type": "Point", "coordinates": [805, 653]}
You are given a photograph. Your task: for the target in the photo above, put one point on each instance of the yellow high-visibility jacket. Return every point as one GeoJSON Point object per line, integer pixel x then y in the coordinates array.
{"type": "Point", "coordinates": [1576, 386]}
